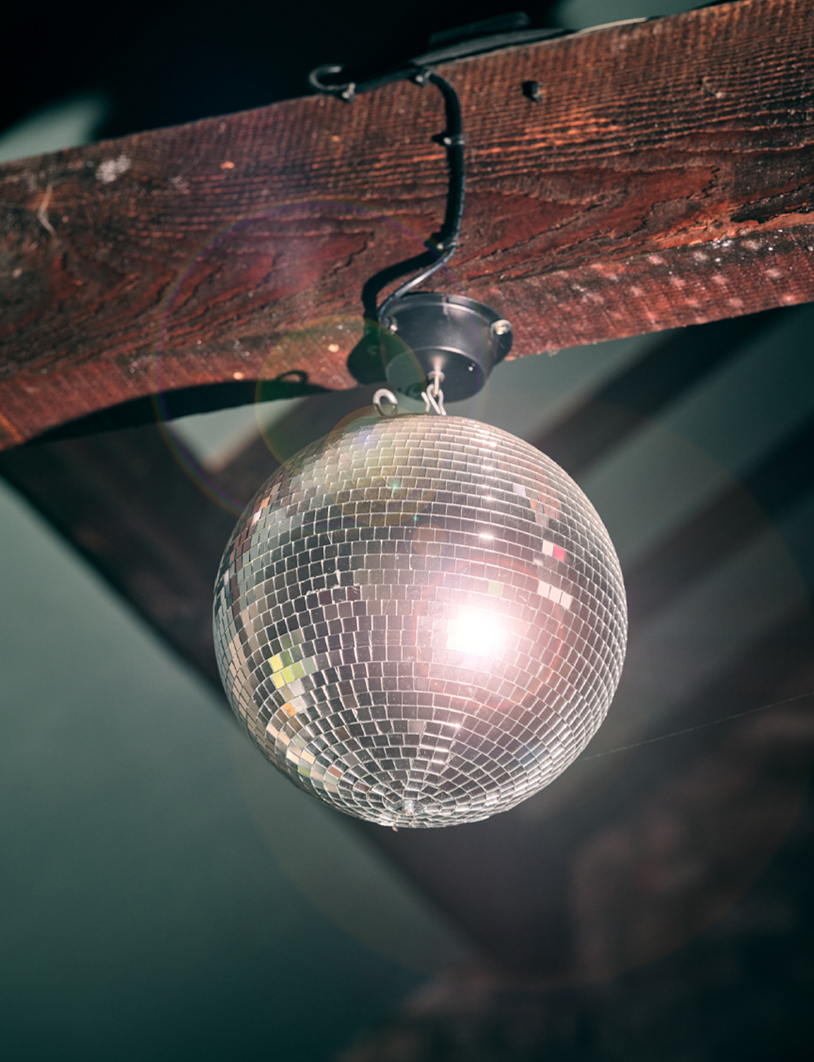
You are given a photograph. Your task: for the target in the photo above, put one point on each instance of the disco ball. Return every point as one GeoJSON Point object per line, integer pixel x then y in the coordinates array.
{"type": "Point", "coordinates": [420, 620]}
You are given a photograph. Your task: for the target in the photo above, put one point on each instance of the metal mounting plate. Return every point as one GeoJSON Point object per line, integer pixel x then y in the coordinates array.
{"type": "Point", "coordinates": [426, 332]}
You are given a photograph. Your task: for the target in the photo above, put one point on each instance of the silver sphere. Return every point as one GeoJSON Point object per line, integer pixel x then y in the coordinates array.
{"type": "Point", "coordinates": [421, 621]}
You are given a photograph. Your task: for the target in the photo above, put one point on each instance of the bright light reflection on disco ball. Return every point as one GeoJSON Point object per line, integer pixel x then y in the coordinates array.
{"type": "Point", "coordinates": [422, 621]}
{"type": "Point", "coordinates": [476, 632]}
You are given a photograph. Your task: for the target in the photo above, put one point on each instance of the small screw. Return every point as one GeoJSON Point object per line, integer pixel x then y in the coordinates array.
{"type": "Point", "coordinates": [501, 328]}
{"type": "Point", "coordinates": [533, 91]}
{"type": "Point", "coordinates": [390, 324]}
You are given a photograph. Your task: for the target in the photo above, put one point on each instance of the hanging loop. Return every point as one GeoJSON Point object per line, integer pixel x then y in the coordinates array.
{"type": "Point", "coordinates": [434, 396]}
{"type": "Point", "coordinates": [386, 403]}
{"type": "Point", "coordinates": [346, 91]}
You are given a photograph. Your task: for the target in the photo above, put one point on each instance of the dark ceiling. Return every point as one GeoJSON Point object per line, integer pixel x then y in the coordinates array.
{"type": "Point", "coordinates": [163, 64]}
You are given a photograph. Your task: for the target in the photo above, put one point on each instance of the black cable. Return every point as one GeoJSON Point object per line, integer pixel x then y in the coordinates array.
{"type": "Point", "coordinates": [448, 238]}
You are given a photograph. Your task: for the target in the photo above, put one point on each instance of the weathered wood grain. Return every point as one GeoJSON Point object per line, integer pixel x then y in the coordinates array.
{"type": "Point", "coordinates": [665, 178]}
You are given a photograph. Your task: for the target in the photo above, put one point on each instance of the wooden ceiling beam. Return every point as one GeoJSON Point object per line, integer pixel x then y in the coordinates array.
{"type": "Point", "coordinates": [664, 178]}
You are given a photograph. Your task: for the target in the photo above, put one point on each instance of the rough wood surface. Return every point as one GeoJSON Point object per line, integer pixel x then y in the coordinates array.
{"type": "Point", "coordinates": [665, 178]}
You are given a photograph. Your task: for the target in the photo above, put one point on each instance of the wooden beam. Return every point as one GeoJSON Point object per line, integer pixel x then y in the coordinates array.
{"type": "Point", "coordinates": [123, 501]}
{"type": "Point", "coordinates": [665, 178]}
{"type": "Point", "coordinates": [151, 519]}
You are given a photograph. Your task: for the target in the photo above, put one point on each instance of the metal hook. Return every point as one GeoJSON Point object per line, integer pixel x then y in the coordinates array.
{"type": "Point", "coordinates": [434, 396]}
{"type": "Point", "coordinates": [393, 403]}
{"type": "Point", "coordinates": [346, 92]}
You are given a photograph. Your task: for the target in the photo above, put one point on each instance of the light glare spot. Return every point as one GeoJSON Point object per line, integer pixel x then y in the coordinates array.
{"type": "Point", "coordinates": [477, 632]}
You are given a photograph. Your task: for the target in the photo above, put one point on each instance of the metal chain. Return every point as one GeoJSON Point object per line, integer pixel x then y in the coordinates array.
{"type": "Point", "coordinates": [434, 396]}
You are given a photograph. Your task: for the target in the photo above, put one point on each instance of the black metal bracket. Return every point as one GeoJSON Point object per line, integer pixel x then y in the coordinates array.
{"type": "Point", "coordinates": [490, 35]}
